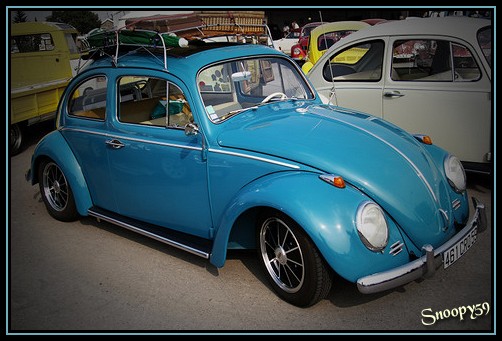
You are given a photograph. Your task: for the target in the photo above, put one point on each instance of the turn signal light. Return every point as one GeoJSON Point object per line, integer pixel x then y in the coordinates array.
{"type": "Point", "coordinates": [426, 139]}
{"type": "Point", "coordinates": [334, 180]}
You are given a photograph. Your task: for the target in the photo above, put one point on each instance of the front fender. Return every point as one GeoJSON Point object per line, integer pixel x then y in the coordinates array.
{"type": "Point", "coordinates": [326, 213]}
{"type": "Point", "coordinates": [55, 147]}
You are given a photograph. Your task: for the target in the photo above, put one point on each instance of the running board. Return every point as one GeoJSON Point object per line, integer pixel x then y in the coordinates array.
{"type": "Point", "coordinates": [196, 245]}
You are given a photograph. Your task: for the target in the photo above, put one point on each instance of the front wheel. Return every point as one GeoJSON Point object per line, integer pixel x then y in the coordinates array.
{"type": "Point", "coordinates": [56, 192]}
{"type": "Point", "coordinates": [294, 267]}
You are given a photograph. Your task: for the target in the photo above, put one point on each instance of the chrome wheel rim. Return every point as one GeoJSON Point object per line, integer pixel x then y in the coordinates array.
{"type": "Point", "coordinates": [282, 255]}
{"type": "Point", "coordinates": [55, 187]}
{"type": "Point", "coordinates": [15, 137]}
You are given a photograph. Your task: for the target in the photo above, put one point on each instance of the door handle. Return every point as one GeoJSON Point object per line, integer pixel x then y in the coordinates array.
{"type": "Point", "coordinates": [115, 144]}
{"type": "Point", "coordinates": [393, 94]}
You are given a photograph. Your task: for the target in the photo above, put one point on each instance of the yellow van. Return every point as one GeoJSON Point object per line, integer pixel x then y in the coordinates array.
{"type": "Point", "coordinates": [43, 58]}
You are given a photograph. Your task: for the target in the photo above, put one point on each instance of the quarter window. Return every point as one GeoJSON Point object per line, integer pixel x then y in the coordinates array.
{"type": "Point", "coordinates": [32, 43]}
{"type": "Point", "coordinates": [485, 43]}
{"type": "Point", "coordinates": [144, 100]}
{"type": "Point", "coordinates": [89, 99]}
{"type": "Point", "coordinates": [432, 61]}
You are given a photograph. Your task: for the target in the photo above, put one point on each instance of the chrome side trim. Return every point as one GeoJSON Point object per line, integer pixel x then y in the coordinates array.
{"type": "Point", "coordinates": [424, 266]}
{"type": "Point", "coordinates": [289, 165]}
{"type": "Point", "coordinates": [162, 239]}
{"type": "Point", "coordinates": [121, 137]}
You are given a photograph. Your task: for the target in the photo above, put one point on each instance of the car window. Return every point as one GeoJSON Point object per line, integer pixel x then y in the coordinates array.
{"type": "Point", "coordinates": [432, 61]}
{"type": "Point", "coordinates": [89, 98]}
{"type": "Point", "coordinates": [360, 62]}
{"type": "Point", "coordinates": [485, 42]}
{"type": "Point", "coordinates": [325, 40]}
{"type": "Point", "coordinates": [143, 100]}
{"type": "Point", "coordinates": [228, 88]}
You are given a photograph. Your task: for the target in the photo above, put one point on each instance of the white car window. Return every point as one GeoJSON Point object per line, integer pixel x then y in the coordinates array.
{"type": "Point", "coordinates": [432, 61]}
{"type": "Point", "coordinates": [361, 62]}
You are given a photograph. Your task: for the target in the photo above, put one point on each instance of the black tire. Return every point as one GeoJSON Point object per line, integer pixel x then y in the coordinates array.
{"type": "Point", "coordinates": [16, 139]}
{"type": "Point", "coordinates": [291, 261]}
{"type": "Point", "coordinates": [56, 192]}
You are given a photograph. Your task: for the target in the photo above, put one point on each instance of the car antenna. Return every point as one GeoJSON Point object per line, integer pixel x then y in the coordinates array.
{"type": "Point", "coordinates": [332, 92]}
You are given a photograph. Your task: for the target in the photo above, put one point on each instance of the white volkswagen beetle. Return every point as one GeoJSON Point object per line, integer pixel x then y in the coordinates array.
{"type": "Point", "coordinates": [428, 75]}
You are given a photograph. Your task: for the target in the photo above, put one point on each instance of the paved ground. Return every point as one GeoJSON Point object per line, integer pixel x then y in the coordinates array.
{"type": "Point", "coordinates": [95, 277]}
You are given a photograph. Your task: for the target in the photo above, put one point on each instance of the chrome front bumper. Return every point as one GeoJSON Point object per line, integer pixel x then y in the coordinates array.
{"type": "Point", "coordinates": [424, 266]}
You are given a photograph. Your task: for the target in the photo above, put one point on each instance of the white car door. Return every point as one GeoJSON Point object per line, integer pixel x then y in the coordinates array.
{"type": "Point", "coordinates": [438, 87]}
{"type": "Point", "coordinates": [353, 77]}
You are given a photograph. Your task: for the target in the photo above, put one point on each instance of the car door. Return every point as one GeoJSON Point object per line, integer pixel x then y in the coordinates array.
{"type": "Point", "coordinates": [438, 87]}
{"type": "Point", "coordinates": [85, 127]}
{"type": "Point", "coordinates": [158, 173]}
{"type": "Point", "coordinates": [353, 76]}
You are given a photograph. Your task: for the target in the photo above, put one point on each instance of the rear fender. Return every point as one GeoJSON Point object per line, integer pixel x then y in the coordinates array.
{"type": "Point", "coordinates": [55, 147]}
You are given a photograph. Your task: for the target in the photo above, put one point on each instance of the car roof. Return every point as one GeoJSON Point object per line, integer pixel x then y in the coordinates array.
{"type": "Point", "coordinates": [39, 27]}
{"type": "Point", "coordinates": [465, 27]}
{"type": "Point", "coordinates": [338, 26]}
{"type": "Point", "coordinates": [193, 57]}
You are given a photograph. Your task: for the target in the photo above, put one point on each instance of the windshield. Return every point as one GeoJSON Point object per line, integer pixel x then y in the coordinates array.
{"type": "Point", "coordinates": [232, 87]}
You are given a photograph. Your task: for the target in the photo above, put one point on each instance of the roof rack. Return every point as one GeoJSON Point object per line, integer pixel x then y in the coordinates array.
{"type": "Point", "coordinates": [102, 42]}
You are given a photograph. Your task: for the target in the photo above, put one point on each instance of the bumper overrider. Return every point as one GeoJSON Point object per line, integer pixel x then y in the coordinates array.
{"type": "Point", "coordinates": [426, 265]}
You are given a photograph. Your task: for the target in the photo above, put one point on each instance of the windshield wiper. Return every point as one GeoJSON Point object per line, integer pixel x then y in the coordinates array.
{"type": "Point", "coordinates": [237, 111]}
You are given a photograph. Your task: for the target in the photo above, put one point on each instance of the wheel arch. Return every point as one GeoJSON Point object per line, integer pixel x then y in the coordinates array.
{"type": "Point", "coordinates": [54, 147]}
{"type": "Point", "coordinates": [301, 196]}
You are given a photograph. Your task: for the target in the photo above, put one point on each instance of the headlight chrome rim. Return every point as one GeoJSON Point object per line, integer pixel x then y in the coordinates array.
{"type": "Point", "coordinates": [362, 212]}
{"type": "Point", "coordinates": [455, 173]}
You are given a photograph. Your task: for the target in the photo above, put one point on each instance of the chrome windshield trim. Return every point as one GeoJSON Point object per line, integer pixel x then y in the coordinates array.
{"type": "Point", "coordinates": [289, 165]}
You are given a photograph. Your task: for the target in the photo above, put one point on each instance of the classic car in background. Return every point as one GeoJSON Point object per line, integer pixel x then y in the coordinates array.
{"type": "Point", "coordinates": [284, 44]}
{"type": "Point", "coordinates": [427, 75]}
{"type": "Point", "coordinates": [299, 50]}
{"type": "Point", "coordinates": [325, 35]}
{"type": "Point", "coordinates": [261, 164]}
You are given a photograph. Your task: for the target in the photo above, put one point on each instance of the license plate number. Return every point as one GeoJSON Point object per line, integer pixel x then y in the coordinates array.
{"type": "Point", "coordinates": [451, 255]}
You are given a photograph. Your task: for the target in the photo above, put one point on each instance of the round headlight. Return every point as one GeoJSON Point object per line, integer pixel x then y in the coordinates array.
{"type": "Point", "coordinates": [372, 226]}
{"type": "Point", "coordinates": [296, 51]}
{"type": "Point", "coordinates": [455, 173]}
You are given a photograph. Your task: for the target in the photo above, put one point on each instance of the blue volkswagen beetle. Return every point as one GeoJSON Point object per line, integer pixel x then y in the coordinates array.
{"type": "Point", "coordinates": [216, 146]}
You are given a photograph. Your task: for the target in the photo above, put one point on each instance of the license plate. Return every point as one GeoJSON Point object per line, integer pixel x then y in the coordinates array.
{"type": "Point", "coordinates": [451, 255]}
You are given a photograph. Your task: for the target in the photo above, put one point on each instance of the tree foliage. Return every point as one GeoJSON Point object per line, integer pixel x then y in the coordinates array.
{"type": "Point", "coordinates": [83, 21]}
{"type": "Point", "coordinates": [19, 16]}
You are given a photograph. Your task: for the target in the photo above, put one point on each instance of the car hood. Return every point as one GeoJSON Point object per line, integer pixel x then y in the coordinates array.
{"type": "Point", "coordinates": [389, 165]}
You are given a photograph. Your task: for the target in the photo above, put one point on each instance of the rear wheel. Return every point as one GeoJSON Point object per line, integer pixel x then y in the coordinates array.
{"type": "Point", "coordinates": [56, 192]}
{"type": "Point", "coordinates": [16, 139]}
{"type": "Point", "coordinates": [294, 267]}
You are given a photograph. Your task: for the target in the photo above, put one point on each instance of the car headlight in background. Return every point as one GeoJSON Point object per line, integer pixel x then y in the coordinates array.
{"type": "Point", "coordinates": [372, 226]}
{"type": "Point", "coordinates": [455, 173]}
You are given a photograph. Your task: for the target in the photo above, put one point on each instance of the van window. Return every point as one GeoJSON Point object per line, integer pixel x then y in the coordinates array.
{"type": "Point", "coordinates": [32, 43]}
